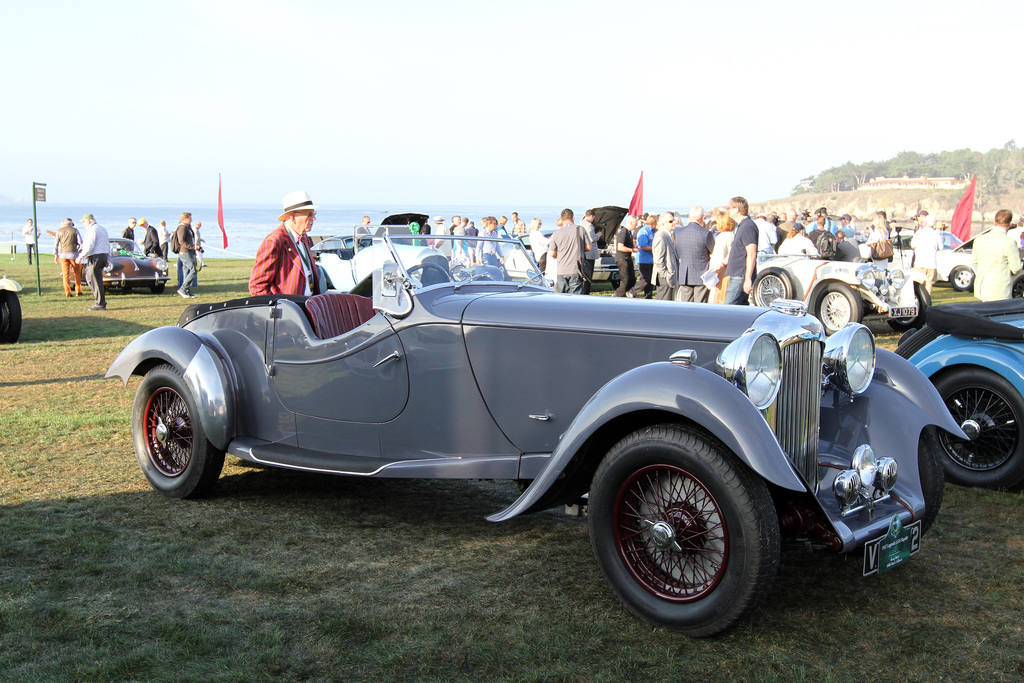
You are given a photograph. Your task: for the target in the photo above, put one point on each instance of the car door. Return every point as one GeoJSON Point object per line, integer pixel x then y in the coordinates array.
{"type": "Point", "coordinates": [340, 389]}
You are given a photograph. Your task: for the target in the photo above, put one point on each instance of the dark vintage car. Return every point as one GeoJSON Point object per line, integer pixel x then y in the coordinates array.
{"type": "Point", "coordinates": [10, 311]}
{"type": "Point", "coordinates": [129, 267]}
{"type": "Point", "coordinates": [702, 437]}
{"type": "Point", "coordinates": [974, 354]}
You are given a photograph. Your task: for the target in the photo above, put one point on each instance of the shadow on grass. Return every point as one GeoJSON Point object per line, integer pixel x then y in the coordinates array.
{"type": "Point", "coordinates": [67, 327]}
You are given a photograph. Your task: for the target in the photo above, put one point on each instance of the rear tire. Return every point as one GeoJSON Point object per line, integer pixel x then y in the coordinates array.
{"type": "Point", "coordinates": [961, 279]}
{"type": "Point", "coordinates": [685, 535]}
{"type": "Point", "coordinates": [772, 285]}
{"type": "Point", "coordinates": [10, 317]}
{"type": "Point", "coordinates": [170, 444]}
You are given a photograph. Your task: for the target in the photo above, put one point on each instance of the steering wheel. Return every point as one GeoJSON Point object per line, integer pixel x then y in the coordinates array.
{"type": "Point", "coordinates": [427, 274]}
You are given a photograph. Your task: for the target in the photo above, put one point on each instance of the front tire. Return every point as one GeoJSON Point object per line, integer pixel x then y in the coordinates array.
{"type": "Point", "coordinates": [158, 288]}
{"type": "Point", "coordinates": [987, 405]}
{"type": "Point", "coordinates": [685, 535]}
{"type": "Point", "coordinates": [10, 317]}
{"type": "Point", "coordinates": [170, 444]}
{"type": "Point", "coordinates": [838, 305]}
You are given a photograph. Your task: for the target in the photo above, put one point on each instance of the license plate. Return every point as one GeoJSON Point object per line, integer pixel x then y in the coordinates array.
{"type": "Point", "coordinates": [892, 549]}
{"type": "Point", "coordinates": [903, 312]}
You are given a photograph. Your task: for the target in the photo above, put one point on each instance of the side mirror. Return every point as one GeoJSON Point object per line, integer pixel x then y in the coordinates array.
{"type": "Point", "coordinates": [389, 291]}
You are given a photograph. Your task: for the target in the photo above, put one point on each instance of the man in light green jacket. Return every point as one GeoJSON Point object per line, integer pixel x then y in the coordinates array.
{"type": "Point", "coordinates": [996, 259]}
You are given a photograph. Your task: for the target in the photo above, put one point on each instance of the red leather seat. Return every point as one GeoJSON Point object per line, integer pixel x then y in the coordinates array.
{"type": "Point", "coordinates": [334, 314]}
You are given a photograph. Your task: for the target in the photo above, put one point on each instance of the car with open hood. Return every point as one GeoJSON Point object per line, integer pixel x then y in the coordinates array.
{"type": "Point", "coordinates": [700, 438]}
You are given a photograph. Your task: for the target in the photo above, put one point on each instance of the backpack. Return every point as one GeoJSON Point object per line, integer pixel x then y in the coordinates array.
{"type": "Point", "coordinates": [826, 245]}
{"type": "Point", "coordinates": [174, 242]}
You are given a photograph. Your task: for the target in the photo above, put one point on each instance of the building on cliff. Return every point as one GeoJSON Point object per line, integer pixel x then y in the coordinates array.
{"type": "Point", "coordinates": [905, 183]}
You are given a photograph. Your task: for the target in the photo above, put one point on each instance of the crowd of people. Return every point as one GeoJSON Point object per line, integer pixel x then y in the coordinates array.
{"type": "Point", "coordinates": [85, 252]}
{"type": "Point", "coordinates": [705, 256]}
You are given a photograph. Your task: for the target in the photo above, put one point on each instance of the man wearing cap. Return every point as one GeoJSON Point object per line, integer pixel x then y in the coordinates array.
{"type": "Point", "coordinates": [284, 262]}
{"type": "Point", "coordinates": [151, 242]}
{"type": "Point", "coordinates": [69, 242]}
{"type": "Point", "coordinates": [95, 248]}
{"type": "Point", "coordinates": [445, 246]}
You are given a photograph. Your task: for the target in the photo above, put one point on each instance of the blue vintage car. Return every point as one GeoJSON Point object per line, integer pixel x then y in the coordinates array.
{"type": "Point", "coordinates": [701, 437]}
{"type": "Point", "coordinates": [974, 354]}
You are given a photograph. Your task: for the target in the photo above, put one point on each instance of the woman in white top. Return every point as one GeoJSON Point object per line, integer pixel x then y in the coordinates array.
{"type": "Point", "coordinates": [720, 256]}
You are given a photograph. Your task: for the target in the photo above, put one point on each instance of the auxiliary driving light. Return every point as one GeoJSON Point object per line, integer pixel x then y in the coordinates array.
{"type": "Point", "coordinates": [887, 472]}
{"type": "Point", "coordinates": [847, 488]}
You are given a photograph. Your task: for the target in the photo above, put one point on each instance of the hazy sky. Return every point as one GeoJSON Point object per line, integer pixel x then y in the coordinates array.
{"type": "Point", "coordinates": [484, 103]}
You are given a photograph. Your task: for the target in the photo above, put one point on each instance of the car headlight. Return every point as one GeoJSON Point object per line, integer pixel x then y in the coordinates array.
{"type": "Point", "coordinates": [866, 276]}
{"type": "Point", "coordinates": [849, 359]}
{"type": "Point", "coordinates": [753, 363]}
{"type": "Point", "coordinates": [898, 278]}
{"type": "Point", "coordinates": [161, 265]}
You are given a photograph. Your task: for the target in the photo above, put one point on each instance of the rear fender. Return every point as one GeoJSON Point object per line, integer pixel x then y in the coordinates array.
{"type": "Point", "coordinates": [693, 393]}
{"type": "Point", "coordinates": [200, 360]}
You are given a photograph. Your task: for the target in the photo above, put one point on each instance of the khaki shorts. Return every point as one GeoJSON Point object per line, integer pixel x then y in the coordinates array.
{"type": "Point", "coordinates": [928, 273]}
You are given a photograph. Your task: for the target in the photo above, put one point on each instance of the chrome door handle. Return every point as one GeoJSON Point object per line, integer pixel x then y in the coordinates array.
{"type": "Point", "coordinates": [394, 355]}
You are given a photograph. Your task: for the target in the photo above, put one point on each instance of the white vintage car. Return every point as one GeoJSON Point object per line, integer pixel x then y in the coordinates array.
{"type": "Point", "coordinates": [840, 292]}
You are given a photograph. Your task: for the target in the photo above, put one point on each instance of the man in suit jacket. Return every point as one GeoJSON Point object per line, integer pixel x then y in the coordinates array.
{"type": "Point", "coordinates": [694, 244]}
{"type": "Point", "coordinates": [666, 264]}
{"type": "Point", "coordinates": [284, 262]}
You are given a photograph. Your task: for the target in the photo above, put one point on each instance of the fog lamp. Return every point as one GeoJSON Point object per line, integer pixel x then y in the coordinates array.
{"type": "Point", "coordinates": [847, 488]}
{"type": "Point", "coordinates": [865, 464]}
{"type": "Point", "coordinates": [888, 469]}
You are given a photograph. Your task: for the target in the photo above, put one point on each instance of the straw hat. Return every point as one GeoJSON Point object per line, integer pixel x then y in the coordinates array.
{"type": "Point", "coordinates": [297, 201]}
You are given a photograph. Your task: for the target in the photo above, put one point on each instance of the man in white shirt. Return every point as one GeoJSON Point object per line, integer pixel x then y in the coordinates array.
{"type": "Point", "coordinates": [31, 235]}
{"type": "Point", "coordinates": [926, 243]}
{"type": "Point", "coordinates": [798, 244]}
{"type": "Point", "coordinates": [94, 255]}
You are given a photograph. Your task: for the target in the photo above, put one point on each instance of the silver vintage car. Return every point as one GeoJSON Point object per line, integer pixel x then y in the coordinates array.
{"type": "Point", "coordinates": [701, 438]}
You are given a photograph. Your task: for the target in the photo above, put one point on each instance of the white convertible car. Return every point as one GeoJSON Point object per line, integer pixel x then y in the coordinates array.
{"type": "Point", "coordinates": [840, 292]}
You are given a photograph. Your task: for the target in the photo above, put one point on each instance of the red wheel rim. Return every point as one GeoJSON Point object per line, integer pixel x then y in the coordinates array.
{"type": "Point", "coordinates": [671, 533]}
{"type": "Point", "coordinates": [168, 431]}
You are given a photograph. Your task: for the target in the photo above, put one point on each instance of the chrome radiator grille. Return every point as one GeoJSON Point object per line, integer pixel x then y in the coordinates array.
{"type": "Point", "coordinates": [796, 412]}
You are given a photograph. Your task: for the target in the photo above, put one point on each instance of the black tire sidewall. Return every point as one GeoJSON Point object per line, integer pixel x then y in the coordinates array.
{"type": "Point", "coordinates": [9, 301]}
{"type": "Point", "coordinates": [953, 276]}
{"type": "Point", "coordinates": [733, 487]}
{"type": "Point", "coordinates": [206, 461]}
{"type": "Point", "coordinates": [1011, 472]}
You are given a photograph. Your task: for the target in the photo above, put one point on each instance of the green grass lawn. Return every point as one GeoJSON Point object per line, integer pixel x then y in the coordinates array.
{"type": "Point", "coordinates": [281, 575]}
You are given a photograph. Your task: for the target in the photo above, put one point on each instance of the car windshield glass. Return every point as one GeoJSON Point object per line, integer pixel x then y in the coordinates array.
{"type": "Point", "coordinates": [125, 248]}
{"type": "Point", "coordinates": [438, 259]}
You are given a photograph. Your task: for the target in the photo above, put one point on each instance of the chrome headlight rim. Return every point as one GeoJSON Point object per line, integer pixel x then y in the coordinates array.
{"type": "Point", "coordinates": [897, 278]}
{"type": "Point", "coordinates": [849, 359]}
{"type": "Point", "coordinates": [753, 363]}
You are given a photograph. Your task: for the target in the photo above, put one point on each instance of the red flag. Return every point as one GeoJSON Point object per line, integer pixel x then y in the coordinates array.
{"type": "Point", "coordinates": [636, 205]}
{"type": "Point", "coordinates": [963, 213]}
{"type": "Point", "coordinates": [220, 213]}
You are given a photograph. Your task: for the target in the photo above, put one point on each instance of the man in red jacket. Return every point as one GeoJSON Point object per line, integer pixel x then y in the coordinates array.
{"type": "Point", "coordinates": [284, 262]}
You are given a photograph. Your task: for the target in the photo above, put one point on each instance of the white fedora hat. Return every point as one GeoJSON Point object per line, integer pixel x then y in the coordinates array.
{"type": "Point", "coordinates": [297, 201]}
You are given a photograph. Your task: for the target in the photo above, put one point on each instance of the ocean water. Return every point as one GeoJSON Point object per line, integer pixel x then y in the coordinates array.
{"type": "Point", "coordinates": [246, 226]}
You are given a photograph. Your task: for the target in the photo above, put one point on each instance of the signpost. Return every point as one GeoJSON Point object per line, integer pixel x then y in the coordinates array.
{"type": "Point", "coordinates": [38, 195]}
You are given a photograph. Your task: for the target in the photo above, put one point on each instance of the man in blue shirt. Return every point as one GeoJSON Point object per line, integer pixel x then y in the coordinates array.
{"type": "Point", "coordinates": [742, 265]}
{"type": "Point", "coordinates": [645, 258]}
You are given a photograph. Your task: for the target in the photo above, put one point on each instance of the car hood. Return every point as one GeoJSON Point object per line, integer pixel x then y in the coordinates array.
{"type": "Point", "coordinates": [633, 317]}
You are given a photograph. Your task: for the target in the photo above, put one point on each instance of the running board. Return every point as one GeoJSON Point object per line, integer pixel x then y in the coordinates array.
{"type": "Point", "coordinates": [307, 460]}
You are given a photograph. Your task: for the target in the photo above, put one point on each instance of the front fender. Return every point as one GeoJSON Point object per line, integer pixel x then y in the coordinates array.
{"type": "Point", "coordinates": [1000, 359]}
{"type": "Point", "coordinates": [904, 377]}
{"type": "Point", "coordinates": [200, 362]}
{"type": "Point", "coordinates": [691, 392]}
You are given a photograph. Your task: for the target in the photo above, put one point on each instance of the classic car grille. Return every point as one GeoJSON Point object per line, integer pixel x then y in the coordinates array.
{"type": "Point", "coordinates": [797, 409]}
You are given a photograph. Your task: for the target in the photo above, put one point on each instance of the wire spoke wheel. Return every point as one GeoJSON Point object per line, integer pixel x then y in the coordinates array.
{"type": "Point", "coordinates": [835, 310]}
{"type": "Point", "coordinates": [984, 412]}
{"type": "Point", "coordinates": [169, 432]}
{"type": "Point", "coordinates": [671, 533]}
